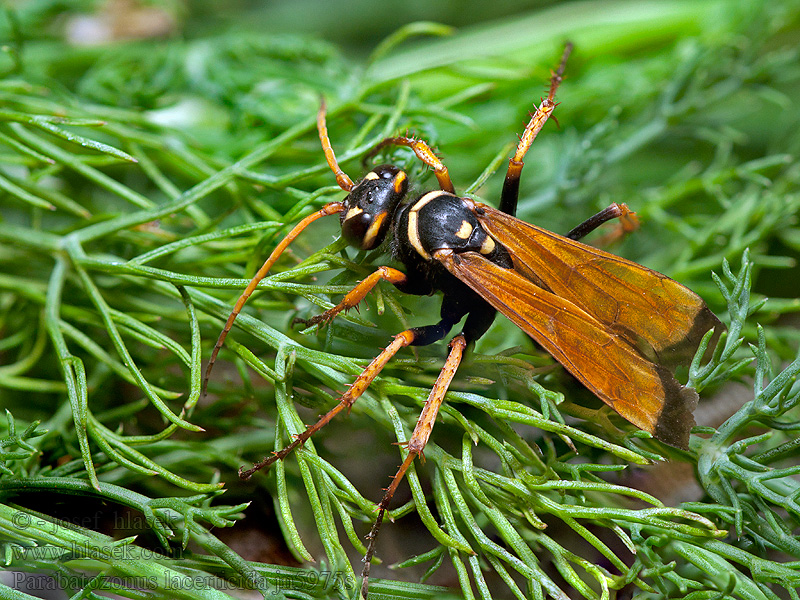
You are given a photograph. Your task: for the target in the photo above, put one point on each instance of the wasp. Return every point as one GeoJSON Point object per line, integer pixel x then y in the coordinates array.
{"type": "Point", "coordinates": [617, 326]}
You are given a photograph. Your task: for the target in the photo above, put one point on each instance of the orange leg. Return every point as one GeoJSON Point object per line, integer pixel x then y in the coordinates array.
{"type": "Point", "coordinates": [401, 340]}
{"type": "Point", "coordinates": [508, 198]}
{"type": "Point", "coordinates": [416, 445]}
{"type": "Point", "coordinates": [628, 223]}
{"type": "Point", "coordinates": [328, 209]}
{"type": "Point", "coordinates": [425, 154]}
{"type": "Point", "coordinates": [356, 295]}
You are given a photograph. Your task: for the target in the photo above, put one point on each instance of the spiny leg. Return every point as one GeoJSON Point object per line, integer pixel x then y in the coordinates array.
{"type": "Point", "coordinates": [401, 340]}
{"type": "Point", "coordinates": [424, 153]}
{"type": "Point", "coordinates": [328, 209]}
{"type": "Point", "coordinates": [416, 336]}
{"type": "Point", "coordinates": [416, 445]}
{"type": "Point", "coordinates": [357, 294]}
{"type": "Point", "coordinates": [628, 222]}
{"type": "Point", "coordinates": [510, 194]}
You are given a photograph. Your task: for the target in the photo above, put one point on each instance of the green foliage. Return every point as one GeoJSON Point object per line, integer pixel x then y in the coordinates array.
{"type": "Point", "coordinates": [144, 182]}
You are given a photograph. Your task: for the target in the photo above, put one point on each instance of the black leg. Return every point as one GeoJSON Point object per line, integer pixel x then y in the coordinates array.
{"type": "Point", "coordinates": [478, 322]}
{"type": "Point", "coordinates": [627, 219]}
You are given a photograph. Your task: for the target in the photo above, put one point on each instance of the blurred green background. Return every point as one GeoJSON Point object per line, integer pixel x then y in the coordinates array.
{"type": "Point", "coordinates": [151, 154]}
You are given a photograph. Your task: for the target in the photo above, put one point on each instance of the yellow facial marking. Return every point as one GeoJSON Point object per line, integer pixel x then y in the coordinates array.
{"type": "Point", "coordinates": [487, 246]}
{"type": "Point", "coordinates": [464, 231]}
{"type": "Point", "coordinates": [369, 237]}
{"type": "Point", "coordinates": [413, 235]}
{"type": "Point", "coordinates": [371, 175]}
{"type": "Point", "coordinates": [398, 182]}
{"type": "Point", "coordinates": [355, 211]}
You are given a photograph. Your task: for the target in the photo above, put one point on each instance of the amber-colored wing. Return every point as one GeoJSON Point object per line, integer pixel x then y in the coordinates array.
{"type": "Point", "coordinates": [663, 319]}
{"type": "Point", "coordinates": [643, 392]}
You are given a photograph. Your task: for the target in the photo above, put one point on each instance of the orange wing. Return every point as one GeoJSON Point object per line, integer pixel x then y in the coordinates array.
{"type": "Point", "coordinates": [660, 317]}
{"type": "Point", "coordinates": [612, 323]}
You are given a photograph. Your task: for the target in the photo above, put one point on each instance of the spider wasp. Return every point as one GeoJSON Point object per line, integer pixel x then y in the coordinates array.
{"type": "Point", "coordinates": [617, 326]}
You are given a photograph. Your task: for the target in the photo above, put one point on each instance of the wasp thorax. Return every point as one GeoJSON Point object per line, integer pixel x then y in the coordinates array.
{"type": "Point", "coordinates": [370, 205]}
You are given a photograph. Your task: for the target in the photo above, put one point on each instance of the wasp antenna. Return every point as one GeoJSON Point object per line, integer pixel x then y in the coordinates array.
{"type": "Point", "coordinates": [328, 209]}
{"type": "Point", "coordinates": [341, 177]}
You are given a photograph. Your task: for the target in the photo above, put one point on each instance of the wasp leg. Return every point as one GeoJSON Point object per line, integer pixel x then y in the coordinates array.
{"type": "Point", "coordinates": [628, 222]}
{"type": "Point", "coordinates": [401, 340]}
{"type": "Point", "coordinates": [356, 295]}
{"type": "Point", "coordinates": [329, 209]}
{"type": "Point", "coordinates": [416, 444]}
{"type": "Point", "coordinates": [510, 193]}
{"type": "Point", "coordinates": [451, 313]}
{"type": "Point", "coordinates": [416, 336]}
{"type": "Point", "coordinates": [424, 153]}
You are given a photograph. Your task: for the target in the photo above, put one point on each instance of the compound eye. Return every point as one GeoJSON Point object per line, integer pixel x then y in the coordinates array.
{"type": "Point", "coordinates": [355, 224]}
{"type": "Point", "coordinates": [364, 231]}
